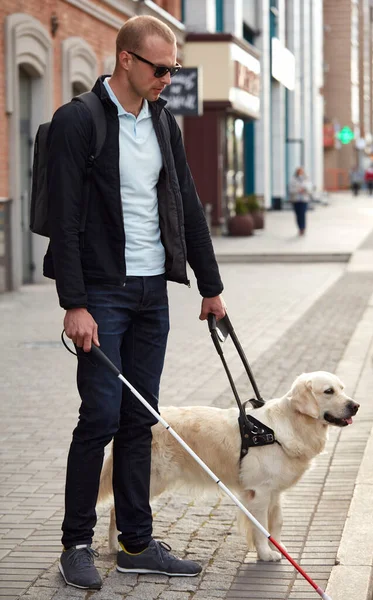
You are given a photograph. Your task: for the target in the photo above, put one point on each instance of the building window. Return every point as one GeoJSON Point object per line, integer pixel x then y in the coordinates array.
{"type": "Point", "coordinates": [79, 67]}
{"type": "Point", "coordinates": [219, 15]}
{"type": "Point", "coordinates": [248, 34]}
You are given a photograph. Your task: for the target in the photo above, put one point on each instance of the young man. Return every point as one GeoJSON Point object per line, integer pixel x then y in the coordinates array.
{"type": "Point", "coordinates": [144, 221]}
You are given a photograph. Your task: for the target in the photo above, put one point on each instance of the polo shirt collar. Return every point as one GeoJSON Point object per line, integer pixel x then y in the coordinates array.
{"type": "Point", "coordinates": [144, 112]}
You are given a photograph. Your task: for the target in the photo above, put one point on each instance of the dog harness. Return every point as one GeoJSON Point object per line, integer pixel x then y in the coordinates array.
{"type": "Point", "coordinates": [253, 432]}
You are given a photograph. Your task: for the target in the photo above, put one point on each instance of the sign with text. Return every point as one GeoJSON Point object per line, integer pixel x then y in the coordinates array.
{"type": "Point", "coordinates": [247, 80]}
{"type": "Point", "coordinates": [184, 95]}
{"type": "Point", "coordinates": [283, 64]}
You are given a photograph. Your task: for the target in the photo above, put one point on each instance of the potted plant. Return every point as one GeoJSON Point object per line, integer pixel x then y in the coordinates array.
{"type": "Point", "coordinates": [256, 211]}
{"type": "Point", "coordinates": [241, 223]}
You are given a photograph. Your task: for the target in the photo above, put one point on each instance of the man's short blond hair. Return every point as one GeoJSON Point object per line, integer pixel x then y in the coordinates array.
{"type": "Point", "coordinates": [133, 33]}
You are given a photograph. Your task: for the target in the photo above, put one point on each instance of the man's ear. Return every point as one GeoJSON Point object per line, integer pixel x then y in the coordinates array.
{"type": "Point", "coordinates": [302, 399]}
{"type": "Point", "coordinates": [123, 59]}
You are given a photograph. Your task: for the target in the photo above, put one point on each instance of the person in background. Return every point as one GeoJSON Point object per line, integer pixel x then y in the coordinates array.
{"type": "Point", "coordinates": [368, 177]}
{"type": "Point", "coordinates": [356, 180]}
{"type": "Point", "coordinates": [300, 193]}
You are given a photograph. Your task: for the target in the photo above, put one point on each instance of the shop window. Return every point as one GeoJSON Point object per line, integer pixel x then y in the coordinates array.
{"type": "Point", "coordinates": [235, 167]}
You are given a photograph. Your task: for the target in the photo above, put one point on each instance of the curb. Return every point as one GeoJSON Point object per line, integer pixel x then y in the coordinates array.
{"type": "Point", "coordinates": [351, 577]}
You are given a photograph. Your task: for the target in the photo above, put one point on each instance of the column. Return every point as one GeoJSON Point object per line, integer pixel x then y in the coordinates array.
{"type": "Point", "coordinates": [200, 15]}
{"type": "Point", "coordinates": [317, 175]}
{"type": "Point", "coordinates": [278, 118]}
{"type": "Point", "coordinates": [263, 184]}
{"type": "Point", "coordinates": [294, 148]}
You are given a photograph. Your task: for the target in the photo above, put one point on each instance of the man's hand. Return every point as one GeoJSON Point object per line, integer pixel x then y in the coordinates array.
{"type": "Point", "coordinates": [81, 328]}
{"type": "Point", "coordinates": [215, 305]}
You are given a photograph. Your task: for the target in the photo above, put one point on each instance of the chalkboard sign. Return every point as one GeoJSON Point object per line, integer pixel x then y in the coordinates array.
{"type": "Point", "coordinates": [184, 95]}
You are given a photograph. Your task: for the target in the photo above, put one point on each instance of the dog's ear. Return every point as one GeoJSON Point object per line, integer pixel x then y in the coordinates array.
{"type": "Point", "coordinates": [302, 398]}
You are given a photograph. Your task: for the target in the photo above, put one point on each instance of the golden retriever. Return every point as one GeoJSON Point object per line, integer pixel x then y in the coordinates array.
{"type": "Point", "coordinates": [300, 421]}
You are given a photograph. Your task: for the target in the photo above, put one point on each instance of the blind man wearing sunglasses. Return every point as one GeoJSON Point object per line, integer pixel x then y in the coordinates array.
{"type": "Point", "coordinates": [143, 221]}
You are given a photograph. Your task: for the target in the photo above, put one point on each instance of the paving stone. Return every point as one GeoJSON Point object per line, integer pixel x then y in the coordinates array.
{"type": "Point", "coordinates": [146, 591]}
{"type": "Point", "coordinates": [170, 595]}
{"type": "Point", "coordinates": [42, 594]}
{"type": "Point", "coordinates": [200, 529]}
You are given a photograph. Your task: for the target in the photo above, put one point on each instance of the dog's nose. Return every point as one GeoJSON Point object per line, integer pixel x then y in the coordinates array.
{"type": "Point", "coordinates": [353, 407]}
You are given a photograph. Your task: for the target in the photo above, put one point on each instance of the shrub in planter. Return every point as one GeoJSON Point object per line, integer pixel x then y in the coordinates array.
{"type": "Point", "coordinates": [242, 223]}
{"type": "Point", "coordinates": [255, 210]}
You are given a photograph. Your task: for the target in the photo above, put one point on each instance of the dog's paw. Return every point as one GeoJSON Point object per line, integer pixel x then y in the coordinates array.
{"type": "Point", "coordinates": [274, 547]}
{"type": "Point", "coordinates": [269, 555]}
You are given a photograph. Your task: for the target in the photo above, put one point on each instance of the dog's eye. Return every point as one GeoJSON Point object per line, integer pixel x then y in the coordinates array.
{"type": "Point", "coordinates": [329, 391]}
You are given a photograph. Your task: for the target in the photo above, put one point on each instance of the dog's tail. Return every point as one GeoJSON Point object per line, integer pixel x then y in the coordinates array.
{"type": "Point", "coordinates": [105, 491]}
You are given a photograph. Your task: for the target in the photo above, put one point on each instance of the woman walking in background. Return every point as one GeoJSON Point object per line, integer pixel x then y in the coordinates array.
{"type": "Point", "coordinates": [356, 179]}
{"type": "Point", "coordinates": [300, 192]}
{"type": "Point", "coordinates": [368, 177]}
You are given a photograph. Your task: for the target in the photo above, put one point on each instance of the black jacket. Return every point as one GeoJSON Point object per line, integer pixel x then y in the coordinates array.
{"type": "Point", "coordinates": [97, 256]}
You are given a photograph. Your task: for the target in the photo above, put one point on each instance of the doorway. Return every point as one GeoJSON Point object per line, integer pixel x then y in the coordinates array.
{"type": "Point", "coordinates": [25, 170]}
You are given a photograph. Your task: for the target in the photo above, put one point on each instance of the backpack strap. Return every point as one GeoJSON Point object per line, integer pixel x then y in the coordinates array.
{"type": "Point", "coordinates": [94, 105]}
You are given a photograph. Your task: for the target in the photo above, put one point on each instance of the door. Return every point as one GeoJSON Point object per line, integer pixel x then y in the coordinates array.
{"type": "Point", "coordinates": [25, 99]}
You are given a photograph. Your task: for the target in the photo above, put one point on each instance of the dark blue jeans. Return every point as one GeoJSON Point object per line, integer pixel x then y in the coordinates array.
{"type": "Point", "coordinates": [300, 209]}
{"type": "Point", "coordinates": [133, 324]}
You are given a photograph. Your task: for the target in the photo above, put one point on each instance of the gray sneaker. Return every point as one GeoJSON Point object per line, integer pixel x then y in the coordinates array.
{"type": "Point", "coordinates": [78, 569]}
{"type": "Point", "coordinates": [157, 559]}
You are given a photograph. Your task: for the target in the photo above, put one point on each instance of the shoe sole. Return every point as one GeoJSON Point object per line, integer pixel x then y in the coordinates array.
{"type": "Point", "coordinates": [81, 587]}
{"type": "Point", "coordinates": [140, 571]}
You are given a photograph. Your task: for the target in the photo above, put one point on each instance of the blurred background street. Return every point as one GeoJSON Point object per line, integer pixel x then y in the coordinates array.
{"type": "Point", "coordinates": [267, 87]}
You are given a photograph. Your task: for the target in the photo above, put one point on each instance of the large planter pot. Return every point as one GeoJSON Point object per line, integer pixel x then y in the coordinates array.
{"type": "Point", "coordinates": [241, 225]}
{"type": "Point", "coordinates": [258, 219]}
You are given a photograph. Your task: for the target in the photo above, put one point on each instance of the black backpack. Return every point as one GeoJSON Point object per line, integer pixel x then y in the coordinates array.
{"type": "Point", "coordinates": [39, 190]}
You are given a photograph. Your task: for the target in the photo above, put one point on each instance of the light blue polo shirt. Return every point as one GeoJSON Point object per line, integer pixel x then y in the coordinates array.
{"type": "Point", "coordinates": [140, 162]}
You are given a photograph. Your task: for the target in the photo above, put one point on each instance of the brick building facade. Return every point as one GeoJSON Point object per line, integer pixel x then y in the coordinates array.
{"type": "Point", "coordinates": [348, 27]}
{"type": "Point", "coordinates": [49, 52]}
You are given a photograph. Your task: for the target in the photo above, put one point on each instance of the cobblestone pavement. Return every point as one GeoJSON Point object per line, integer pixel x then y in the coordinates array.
{"type": "Point", "coordinates": [315, 510]}
{"type": "Point", "coordinates": [289, 318]}
{"type": "Point", "coordinates": [39, 405]}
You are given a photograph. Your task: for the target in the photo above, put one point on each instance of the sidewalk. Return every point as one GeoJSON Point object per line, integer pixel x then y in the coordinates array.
{"type": "Point", "coordinates": [333, 233]}
{"type": "Point", "coordinates": [289, 318]}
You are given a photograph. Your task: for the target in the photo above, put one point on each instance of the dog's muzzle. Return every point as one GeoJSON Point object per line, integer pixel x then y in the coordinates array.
{"type": "Point", "coordinates": [351, 410]}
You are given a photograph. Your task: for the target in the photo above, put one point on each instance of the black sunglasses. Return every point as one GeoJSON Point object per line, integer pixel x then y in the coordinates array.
{"type": "Point", "coordinates": [159, 70]}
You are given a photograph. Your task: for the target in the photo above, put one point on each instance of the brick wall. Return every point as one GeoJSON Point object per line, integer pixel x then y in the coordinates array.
{"type": "Point", "coordinates": [71, 22]}
{"type": "Point", "coordinates": [337, 87]}
{"type": "Point", "coordinates": [172, 6]}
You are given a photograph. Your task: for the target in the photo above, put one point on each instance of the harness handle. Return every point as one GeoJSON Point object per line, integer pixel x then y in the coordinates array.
{"type": "Point", "coordinates": [219, 331]}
